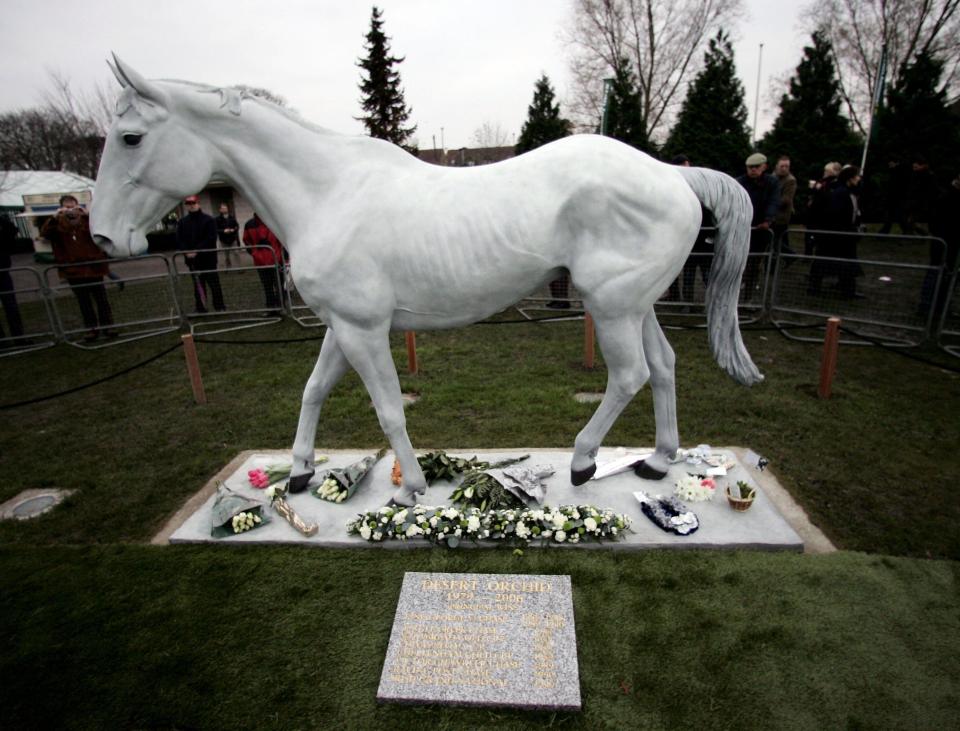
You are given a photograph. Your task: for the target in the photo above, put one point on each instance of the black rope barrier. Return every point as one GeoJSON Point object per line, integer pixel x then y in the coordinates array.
{"type": "Point", "coordinates": [134, 367]}
{"type": "Point", "coordinates": [899, 351]}
{"type": "Point", "coordinates": [525, 320]}
{"type": "Point", "coordinates": [215, 341]}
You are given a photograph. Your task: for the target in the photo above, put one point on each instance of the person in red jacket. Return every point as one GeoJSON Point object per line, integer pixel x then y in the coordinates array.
{"type": "Point", "coordinates": [269, 262]}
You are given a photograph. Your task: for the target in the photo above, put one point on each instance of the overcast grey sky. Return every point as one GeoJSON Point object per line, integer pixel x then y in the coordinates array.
{"type": "Point", "coordinates": [467, 61]}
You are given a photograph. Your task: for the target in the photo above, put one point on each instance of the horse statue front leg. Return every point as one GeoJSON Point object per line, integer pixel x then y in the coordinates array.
{"type": "Point", "coordinates": [368, 351]}
{"type": "Point", "coordinates": [331, 365]}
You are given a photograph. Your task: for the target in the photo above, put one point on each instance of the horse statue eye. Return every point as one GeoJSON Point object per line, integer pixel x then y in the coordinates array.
{"type": "Point", "coordinates": [132, 140]}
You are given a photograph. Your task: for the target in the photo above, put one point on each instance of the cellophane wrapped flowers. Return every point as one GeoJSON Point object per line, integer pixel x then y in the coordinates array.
{"type": "Point", "coordinates": [695, 488]}
{"type": "Point", "coordinates": [233, 513]}
{"type": "Point", "coordinates": [450, 525]}
{"type": "Point", "coordinates": [338, 485]}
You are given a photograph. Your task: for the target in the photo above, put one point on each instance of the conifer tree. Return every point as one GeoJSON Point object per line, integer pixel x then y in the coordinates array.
{"type": "Point", "coordinates": [915, 121]}
{"type": "Point", "coordinates": [811, 128]}
{"type": "Point", "coordinates": [544, 123]}
{"type": "Point", "coordinates": [712, 126]}
{"type": "Point", "coordinates": [625, 111]}
{"type": "Point", "coordinates": [385, 111]}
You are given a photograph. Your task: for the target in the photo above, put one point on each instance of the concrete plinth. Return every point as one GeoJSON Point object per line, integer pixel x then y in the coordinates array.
{"type": "Point", "coordinates": [774, 522]}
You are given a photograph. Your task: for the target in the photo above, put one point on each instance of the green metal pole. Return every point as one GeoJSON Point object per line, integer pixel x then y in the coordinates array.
{"type": "Point", "coordinates": [607, 93]}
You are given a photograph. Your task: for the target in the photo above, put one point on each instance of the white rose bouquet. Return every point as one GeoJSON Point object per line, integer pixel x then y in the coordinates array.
{"type": "Point", "coordinates": [233, 513]}
{"type": "Point", "coordinates": [338, 485]}
{"type": "Point", "coordinates": [450, 525]}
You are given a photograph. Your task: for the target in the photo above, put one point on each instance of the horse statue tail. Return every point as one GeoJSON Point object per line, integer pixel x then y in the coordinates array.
{"type": "Point", "coordinates": [732, 210]}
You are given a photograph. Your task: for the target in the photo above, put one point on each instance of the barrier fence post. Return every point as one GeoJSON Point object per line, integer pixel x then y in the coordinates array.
{"type": "Point", "coordinates": [193, 368]}
{"type": "Point", "coordinates": [828, 363]}
{"type": "Point", "coordinates": [411, 338]}
{"type": "Point", "coordinates": [588, 340]}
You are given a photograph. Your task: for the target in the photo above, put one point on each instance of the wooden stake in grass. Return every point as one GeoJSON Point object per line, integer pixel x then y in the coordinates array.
{"type": "Point", "coordinates": [411, 338]}
{"type": "Point", "coordinates": [828, 364]}
{"type": "Point", "coordinates": [193, 368]}
{"type": "Point", "coordinates": [588, 342]}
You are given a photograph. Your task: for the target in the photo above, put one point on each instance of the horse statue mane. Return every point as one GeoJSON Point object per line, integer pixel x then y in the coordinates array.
{"type": "Point", "coordinates": [381, 241]}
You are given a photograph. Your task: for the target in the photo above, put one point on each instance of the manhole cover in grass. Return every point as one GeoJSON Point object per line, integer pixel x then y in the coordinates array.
{"type": "Point", "coordinates": [31, 503]}
{"type": "Point", "coordinates": [34, 506]}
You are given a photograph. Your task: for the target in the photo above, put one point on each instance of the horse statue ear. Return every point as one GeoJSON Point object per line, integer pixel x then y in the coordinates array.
{"type": "Point", "coordinates": [129, 78]}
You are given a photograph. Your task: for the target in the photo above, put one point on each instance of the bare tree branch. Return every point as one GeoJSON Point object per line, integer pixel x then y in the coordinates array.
{"type": "Point", "coordinates": [662, 39]}
{"type": "Point", "coordinates": [858, 30]}
{"type": "Point", "coordinates": [491, 134]}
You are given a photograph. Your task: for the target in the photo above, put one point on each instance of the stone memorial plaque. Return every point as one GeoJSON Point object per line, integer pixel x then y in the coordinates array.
{"type": "Point", "coordinates": [483, 640]}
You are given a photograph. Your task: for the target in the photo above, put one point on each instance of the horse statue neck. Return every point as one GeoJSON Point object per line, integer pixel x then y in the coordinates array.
{"type": "Point", "coordinates": [288, 168]}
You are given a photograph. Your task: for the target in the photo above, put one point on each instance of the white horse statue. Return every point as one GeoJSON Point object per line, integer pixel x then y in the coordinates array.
{"type": "Point", "coordinates": [380, 241]}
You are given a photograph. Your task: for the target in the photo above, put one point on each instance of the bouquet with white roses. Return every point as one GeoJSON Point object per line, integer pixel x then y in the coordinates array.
{"type": "Point", "coordinates": [450, 525]}
{"type": "Point", "coordinates": [233, 513]}
{"type": "Point", "coordinates": [337, 485]}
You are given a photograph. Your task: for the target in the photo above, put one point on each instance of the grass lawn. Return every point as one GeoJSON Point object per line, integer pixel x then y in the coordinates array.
{"type": "Point", "coordinates": [100, 631]}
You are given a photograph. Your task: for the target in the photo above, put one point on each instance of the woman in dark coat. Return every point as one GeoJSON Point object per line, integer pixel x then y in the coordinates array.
{"type": "Point", "coordinates": [841, 214]}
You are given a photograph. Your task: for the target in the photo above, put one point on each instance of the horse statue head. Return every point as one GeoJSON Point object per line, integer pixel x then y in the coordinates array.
{"type": "Point", "coordinates": [152, 158]}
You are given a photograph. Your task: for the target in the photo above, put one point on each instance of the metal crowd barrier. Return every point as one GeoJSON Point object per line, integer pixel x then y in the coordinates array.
{"type": "Point", "coordinates": [949, 325]}
{"type": "Point", "coordinates": [136, 301]}
{"type": "Point", "coordinates": [231, 298]}
{"type": "Point", "coordinates": [888, 290]}
{"type": "Point", "coordinates": [298, 309]}
{"type": "Point", "coordinates": [27, 321]}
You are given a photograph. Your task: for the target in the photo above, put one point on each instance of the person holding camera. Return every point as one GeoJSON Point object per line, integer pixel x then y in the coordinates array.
{"type": "Point", "coordinates": [82, 265]}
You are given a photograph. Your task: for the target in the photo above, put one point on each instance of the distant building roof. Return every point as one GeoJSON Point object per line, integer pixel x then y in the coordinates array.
{"type": "Point", "coordinates": [14, 184]}
{"type": "Point", "coordinates": [467, 156]}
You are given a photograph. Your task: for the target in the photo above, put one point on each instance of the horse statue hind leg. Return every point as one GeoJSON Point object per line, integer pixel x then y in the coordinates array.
{"type": "Point", "coordinates": [635, 351]}
{"type": "Point", "coordinates": [635, 348]}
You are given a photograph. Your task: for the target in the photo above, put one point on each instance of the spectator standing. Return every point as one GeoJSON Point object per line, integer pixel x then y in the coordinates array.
{"type": "Point", "coordinates": [82, 265]}
{"type": "Point", "coordinates": [944, 224]}
{"type": "Point", "coordinates": [197, 235]}
{"type": "Point", "coordinates": [818, 204]}
{"type": "Point", "coordinates": [921, 196]}
{"type": "Point", "coordinates": [788, 191]}
{"type": "Point", "coordinates": [228, 233]}
{"type": "Point", "coordinates": [895, 197]}
{"type": "Point", "coordinates": [8, 239]}
{"type": "Point", "coordinates": [764, 193]}
{"type": "Point", "coordinates": [269, 262]}
{"type": "Point", "coordinates": [702, 253]}
{"type": "Point", "coordinates": [843, 216]}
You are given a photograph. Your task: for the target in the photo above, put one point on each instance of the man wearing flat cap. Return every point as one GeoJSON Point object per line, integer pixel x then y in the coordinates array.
{"type": "Point", "coordinates": [764, 192]}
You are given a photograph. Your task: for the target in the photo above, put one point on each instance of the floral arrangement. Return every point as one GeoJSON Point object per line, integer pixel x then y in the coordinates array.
{"type": "Point", "coordinates": [695, 488]}
{"type": "Point", "coordinates": [278, 499]}
{"type": "Point", "coordinates": [668, 513]}
{"type": "Point", "coordinates": [233, 513]}
{"type": "Point", "coordinates": [484, 492]}
{"type": "Point", "coordinates": [263, 477]}
{"type": "Point", "coordinates": [743, 492]}
{"type": "Point", "coordinates": [340, 484]}
{"type": "Point", "coordinates": [450, 525]}
{"type": "Point", "coordinates": [246, 521]}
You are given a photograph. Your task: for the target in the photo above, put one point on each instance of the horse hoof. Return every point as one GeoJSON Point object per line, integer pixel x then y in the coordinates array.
{"type": "Point", "coordinates": [404, 498]}
{"type": "Point", "coordinates": [645, 471]}
{"type": "Point", "coordinates": [578, 477]}
{"type": "Point", "coordinates": [299, 483]}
